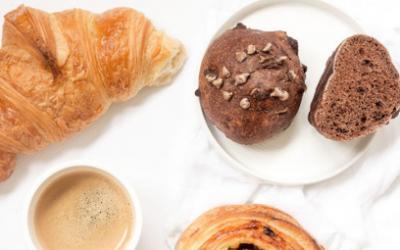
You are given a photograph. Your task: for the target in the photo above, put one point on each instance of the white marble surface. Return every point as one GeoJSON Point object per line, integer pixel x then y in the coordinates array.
{"type": "Point", "coordinates": [147, 137]}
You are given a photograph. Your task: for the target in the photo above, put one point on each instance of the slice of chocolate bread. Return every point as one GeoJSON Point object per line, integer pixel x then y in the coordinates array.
{"type": "Point", "coordinates": [359, 91]}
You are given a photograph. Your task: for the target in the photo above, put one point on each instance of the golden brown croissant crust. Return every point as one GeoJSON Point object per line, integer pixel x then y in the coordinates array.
{"type": "Point", "coordinates": [59, 72]}
{"type": "Point", "coordinates": [246, 227]}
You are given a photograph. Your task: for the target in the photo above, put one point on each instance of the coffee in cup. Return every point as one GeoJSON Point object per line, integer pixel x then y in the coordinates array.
{"type": "Point", "coordinates": [83, 210]}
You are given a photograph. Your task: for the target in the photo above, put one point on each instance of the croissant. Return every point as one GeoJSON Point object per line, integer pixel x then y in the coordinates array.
{"type": "Point", "coordinates": [59, 72]}
{"type": "Point", "coordinates": [246, 227]}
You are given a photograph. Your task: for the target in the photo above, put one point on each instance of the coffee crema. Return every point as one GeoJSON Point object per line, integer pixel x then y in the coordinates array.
{"type": "Point", "coordinates": [83, 210]}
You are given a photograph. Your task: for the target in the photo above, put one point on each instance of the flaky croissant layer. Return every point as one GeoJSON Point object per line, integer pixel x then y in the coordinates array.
{"type": "Point", "coordinates": [59, 72]}
{"type": "Point", "coordinates": [246, 227]}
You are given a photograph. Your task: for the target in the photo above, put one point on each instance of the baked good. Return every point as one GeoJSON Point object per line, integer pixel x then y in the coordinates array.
{"type": "Point", "coordinates": [251, 83]}
{"type": "Point", "coordinates": [59, 72]}
{"type": "Point", "coordinates": [246, 227]}
{"type": "Point", "coordinates": [358, 92]}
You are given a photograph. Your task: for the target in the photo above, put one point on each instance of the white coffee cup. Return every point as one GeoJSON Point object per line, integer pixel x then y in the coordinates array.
{"type": "Point", "coordinates": [66, 168]}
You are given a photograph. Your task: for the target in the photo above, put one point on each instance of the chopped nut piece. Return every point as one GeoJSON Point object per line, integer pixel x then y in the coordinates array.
{"type": "Point", "coordinates": [225, 72]}
{"type": "Point", "coordinates": [267, 47]}
{"type": "Point", "coordinates": [245, 103]}
{"type": "Point", "coordinates": [241, 79]}
{"type": "Point", "coordinates": [263, 59]}
{"type": "Point", "coordinates": [255, 91]}
{"type": "Point", "coordinates": [240, 56]}
{"type": "Point", "coordinates": [218, 83]}
{"type": "Point", "coordinates": [211, 77]}
{"type": "Point", "coordinates": [291, 75]}
{"type": "Point", "coordinates": [227, 95]}
{"type": "Point", "coordinates": [251, 49]}
{"type": "Point", "coordinates": [259, 94]}
{"type": "Point", "coordinates": [281, 59]}
{"type": "Point", "coordinates": [282, 94]}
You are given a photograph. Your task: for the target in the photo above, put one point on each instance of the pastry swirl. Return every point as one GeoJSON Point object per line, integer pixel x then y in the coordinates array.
{"type": "Point", "coordinates": [246, 227]}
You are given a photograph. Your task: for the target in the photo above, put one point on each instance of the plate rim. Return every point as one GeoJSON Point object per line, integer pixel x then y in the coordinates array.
{"type": "Point", "coordinates": [204, 120]}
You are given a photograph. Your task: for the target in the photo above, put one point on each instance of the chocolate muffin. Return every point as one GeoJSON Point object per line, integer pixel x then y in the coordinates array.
{"type": "Point", "coordinates": [359, 91]}
{"type": "Point", "coordinates": [251, 83]}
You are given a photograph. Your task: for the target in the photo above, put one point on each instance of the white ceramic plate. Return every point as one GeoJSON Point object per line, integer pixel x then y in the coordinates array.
{"type": "Point", "coordinates": [299, 155]}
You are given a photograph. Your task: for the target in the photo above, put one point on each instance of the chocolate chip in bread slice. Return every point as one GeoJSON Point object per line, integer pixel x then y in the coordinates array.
{"type": "Point", "coordinates": [359, 91]}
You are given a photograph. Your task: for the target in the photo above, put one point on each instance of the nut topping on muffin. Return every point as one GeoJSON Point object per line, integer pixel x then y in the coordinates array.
{"type": "Point", "coordinates": [291, 75]}
{"type": "Point", "coordinates": [282, 94]}
{"type": "Point", "coordinates": [267, 48]}
{"type": "Point", "coordinates": [227, 95]}
{"type": "Point", "coordinates": [251, 49]}
{"type": "Point", "coordinates": [255, 92]}
{"type": "Point", "coordinates": [211, 77]}
{"type": "Point", "coordinates": [281, 59]}
{"type": "Point", "coordinates": [245, 103]}
{"type": "Point", "coordinates": [240, 56]}
{"type": "Point", "coordinates": [218, 83]}
{"type": "Point", "coordinates": [241, 79]}
{"type": "Point", "coordinates": [263, 59]}
{"type": "Point", "coordinates": [225, 72]}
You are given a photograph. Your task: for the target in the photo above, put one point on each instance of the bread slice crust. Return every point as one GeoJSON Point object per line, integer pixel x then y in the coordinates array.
{"type": "Point", "coordinates": [358, 92]}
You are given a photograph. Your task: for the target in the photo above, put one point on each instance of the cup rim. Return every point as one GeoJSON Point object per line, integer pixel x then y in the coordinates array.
{"type": "Point", "coordinates": [137, 226]}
